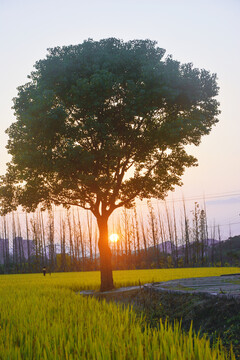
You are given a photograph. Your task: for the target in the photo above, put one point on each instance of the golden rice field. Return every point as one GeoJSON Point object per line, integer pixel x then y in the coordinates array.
{"type": "Point", "coordinates": [44, 318]}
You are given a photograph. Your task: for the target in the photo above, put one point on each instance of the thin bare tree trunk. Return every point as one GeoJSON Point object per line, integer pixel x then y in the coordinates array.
{"type": "Point", "coordinates": [186, 236]}
{"type": "Point", "coordinates": [70, 240]}
{"type": "Point", "coordinates": [144, 237]}
{"type": "Point", "coordinates": [81, 240]}
{"type": "Point", "coordinates": [175, 235]}
{"type": "Point", "coordinates": [63, 244]}
{"type": "Point", "coordinates": [213, 245]}
{"type": "Point", "coordinates": [170, 232]}
{"type": "Point", "coordinates": [137, 235]}
{"type": "Point", "coordinates": [44, 239]}
{"type": "Point", "coordinates": [220, 245]}
{"type": "Point", "coordinates": [89, 226]}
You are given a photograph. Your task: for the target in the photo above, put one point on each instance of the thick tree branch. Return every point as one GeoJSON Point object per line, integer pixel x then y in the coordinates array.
{"type": "Point", "coordinates": [137, 192]}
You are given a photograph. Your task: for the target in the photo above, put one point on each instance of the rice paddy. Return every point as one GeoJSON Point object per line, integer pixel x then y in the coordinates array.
{"type": "Point", "coordinates": [44, 318]}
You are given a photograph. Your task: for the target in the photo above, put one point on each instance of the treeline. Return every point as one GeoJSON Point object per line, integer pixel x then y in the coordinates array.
{"type": "Point", "coordinates": [67, 240]}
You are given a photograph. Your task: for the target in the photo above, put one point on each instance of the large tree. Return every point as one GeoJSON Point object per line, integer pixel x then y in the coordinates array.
{"type": "Point", "coordinates": [102, 123]}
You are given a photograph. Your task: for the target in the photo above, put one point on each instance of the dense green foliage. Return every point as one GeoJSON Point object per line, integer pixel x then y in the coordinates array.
{"type": "Point", "coordinates": [92, 112]}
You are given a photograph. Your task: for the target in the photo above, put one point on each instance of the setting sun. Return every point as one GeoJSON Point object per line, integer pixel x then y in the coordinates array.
{"type": "Point", "coordinates": [114, 237]}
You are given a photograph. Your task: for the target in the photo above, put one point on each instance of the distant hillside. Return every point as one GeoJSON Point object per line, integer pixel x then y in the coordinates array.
{"type": "Point", "coordinates": [229, 250]}
{"type": "Point", "coordinates": [215, 252]}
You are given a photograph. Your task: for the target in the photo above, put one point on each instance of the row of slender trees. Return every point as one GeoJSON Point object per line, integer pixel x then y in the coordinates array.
{"type": "Point", "coordinates": [66, 240]}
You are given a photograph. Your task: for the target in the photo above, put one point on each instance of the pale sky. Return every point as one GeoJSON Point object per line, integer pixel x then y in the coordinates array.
{"type": "Point", "coordinates": [205, 33]}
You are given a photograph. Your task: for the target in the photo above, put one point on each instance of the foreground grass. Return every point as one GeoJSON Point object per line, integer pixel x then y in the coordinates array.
{"type": "Point", "coordinates": [43, 318]}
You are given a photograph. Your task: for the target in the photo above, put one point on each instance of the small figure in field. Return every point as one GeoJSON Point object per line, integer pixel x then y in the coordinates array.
{"type": "Point", "coordinates": [44, 270]}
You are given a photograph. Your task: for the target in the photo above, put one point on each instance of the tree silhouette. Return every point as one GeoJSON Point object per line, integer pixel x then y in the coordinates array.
{"type": "Point", "coordinates": [102, 123]}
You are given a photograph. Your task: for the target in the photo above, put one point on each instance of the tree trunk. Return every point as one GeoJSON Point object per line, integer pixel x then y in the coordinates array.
{"type": "Point", "coordinates": [105, 255]}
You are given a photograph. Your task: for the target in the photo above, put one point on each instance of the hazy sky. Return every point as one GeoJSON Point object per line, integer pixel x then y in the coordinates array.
{"type": "Point", "coordinates": [205, 33]}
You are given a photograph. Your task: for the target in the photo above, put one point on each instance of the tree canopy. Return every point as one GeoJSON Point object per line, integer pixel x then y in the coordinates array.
{"type": "Point", "coordinates": [101, 123]}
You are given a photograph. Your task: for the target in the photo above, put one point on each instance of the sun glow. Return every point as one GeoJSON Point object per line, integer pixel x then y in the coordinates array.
{"type": "Point", "coordinates": [114, 237]}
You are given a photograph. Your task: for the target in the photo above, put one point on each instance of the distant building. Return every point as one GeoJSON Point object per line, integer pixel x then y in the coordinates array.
{"type": "Point", "coordinates": [23, 248]}
{"type": "Point", "coordinates": [4, 250]}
